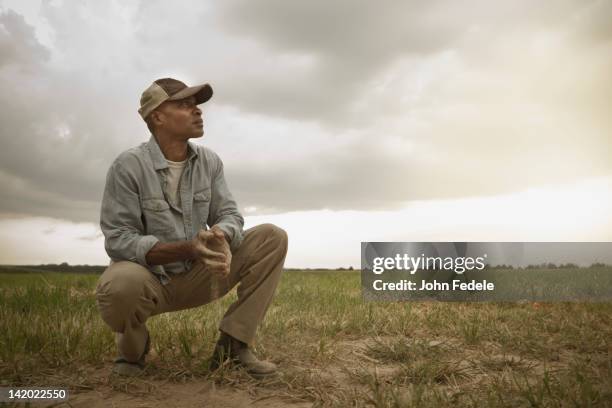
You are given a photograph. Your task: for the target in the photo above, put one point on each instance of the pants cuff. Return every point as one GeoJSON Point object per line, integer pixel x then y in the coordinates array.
{"type": "Point", "coordinates": [237, 332]}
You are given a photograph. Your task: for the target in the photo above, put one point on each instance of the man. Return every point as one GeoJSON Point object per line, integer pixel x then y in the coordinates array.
{"type": "Point", "coordinates": [158, 201]}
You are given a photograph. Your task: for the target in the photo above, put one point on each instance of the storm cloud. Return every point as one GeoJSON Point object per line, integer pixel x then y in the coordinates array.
{"type": "Point", "coordinates": [318, 105]}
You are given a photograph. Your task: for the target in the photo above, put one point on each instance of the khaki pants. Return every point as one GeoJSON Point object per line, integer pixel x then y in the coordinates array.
{"type": "Point", "coordinates": [128, 293]}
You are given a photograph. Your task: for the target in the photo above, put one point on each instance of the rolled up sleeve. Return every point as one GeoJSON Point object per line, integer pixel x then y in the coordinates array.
{"type": "Point", "coordinates": [121, 219]}
{"type": "Point", "coordinates": [223, 209]}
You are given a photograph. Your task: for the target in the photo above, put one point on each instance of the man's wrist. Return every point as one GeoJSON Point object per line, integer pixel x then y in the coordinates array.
{"type": "Point", "coordinates": [168, 252]}
{"type": "Point", "coordinates": [227, 237]}
{"type": "Point", "coordinates": [193, 252]}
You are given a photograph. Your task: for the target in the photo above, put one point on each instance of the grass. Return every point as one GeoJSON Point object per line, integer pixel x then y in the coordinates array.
{"type": "Point", "coordinates": [333, 348]}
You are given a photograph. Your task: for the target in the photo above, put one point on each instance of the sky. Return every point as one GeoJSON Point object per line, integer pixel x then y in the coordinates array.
{"type": "Point", "coordinates": [340, 122]}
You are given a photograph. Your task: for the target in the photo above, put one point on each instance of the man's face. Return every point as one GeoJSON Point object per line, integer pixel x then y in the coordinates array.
{"type": "Point", "coordinates": [181, 119]}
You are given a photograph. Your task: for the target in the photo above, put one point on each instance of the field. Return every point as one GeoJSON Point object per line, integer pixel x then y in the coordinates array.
{"type": "Point", "coordinates": [333, 349]}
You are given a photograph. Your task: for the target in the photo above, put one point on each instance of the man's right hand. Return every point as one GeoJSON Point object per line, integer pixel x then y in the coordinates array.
{"type": "Point", "coordinates": [214, 261]}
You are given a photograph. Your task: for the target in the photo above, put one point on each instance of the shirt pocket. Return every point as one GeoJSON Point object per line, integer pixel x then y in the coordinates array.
{"type": "Point", "coordinates": [201, 205]}
{"type": "Point", "coordinates": [157, 216]}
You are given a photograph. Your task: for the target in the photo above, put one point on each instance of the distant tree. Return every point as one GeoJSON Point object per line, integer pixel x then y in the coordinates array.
{"type": "Point", "coordinates": [569, 265]}
{"type": "Point", "coordinates": [598, 265]}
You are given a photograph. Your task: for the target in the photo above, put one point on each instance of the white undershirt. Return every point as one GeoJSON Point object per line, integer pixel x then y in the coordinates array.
{"type": "Point", "coordinates": [173, 180]}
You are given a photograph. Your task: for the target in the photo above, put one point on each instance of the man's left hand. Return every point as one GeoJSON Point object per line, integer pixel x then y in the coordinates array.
{"type": "Point", "coordinates": [222, 245]}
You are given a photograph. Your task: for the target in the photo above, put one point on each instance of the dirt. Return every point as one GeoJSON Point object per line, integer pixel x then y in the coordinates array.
{"type": "Point", "coordinates": [199, 393]}
{"type": "Point", "coordinates": [113, 391]}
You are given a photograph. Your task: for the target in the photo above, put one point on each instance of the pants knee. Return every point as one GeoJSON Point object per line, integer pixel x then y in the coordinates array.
{"type": "Point", "coordinates": [276, 235]}
{"type": "Point", "coordinates": [119, 300]}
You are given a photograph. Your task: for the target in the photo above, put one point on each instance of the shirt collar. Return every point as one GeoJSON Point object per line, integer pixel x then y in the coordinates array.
{"type": "Point", "coordinates": [159, 160]}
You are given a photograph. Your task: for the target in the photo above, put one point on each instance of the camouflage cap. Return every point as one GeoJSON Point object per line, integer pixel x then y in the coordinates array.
{"type": "Point", "coordinates": [169, 89]}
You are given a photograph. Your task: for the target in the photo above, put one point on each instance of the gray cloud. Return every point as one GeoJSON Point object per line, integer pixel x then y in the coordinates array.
{"type": "Point", "coordinates": [327, 52]}
{"type": "Point", "coordinates": [324, 56]}
{"type": "Point", "coordinates": [435, 100]}
{"type": "Point", "coordinates": [18, 45]}
{"type": "Point", "coordinates": [58, 133]}
{"type": "Point", "coordinates": [22, 197]}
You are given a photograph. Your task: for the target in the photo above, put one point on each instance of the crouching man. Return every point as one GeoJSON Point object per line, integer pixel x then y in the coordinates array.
{"type": "Point", "coordinates": [159, 200]}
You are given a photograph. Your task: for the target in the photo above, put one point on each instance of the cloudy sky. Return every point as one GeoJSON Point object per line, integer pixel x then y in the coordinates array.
{"type": "Point", "coordinates": [341, 121]}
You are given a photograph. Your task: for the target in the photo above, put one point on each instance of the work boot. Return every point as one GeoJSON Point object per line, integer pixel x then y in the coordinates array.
{"type": "Point", "coordinates": [132, 369]}
{"type": "Point", "coordinates": [239, 354]}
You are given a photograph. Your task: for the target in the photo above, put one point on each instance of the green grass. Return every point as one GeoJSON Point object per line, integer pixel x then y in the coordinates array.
{"type": "Point", "coordinates": [333, 348]}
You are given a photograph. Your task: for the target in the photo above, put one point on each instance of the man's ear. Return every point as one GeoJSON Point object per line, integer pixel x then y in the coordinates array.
{"type": "Point", "coordinates": [156, 118]}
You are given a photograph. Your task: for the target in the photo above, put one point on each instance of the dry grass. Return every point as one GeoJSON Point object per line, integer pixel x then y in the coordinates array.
{"type": "Point", "coordinates": [333, 348]}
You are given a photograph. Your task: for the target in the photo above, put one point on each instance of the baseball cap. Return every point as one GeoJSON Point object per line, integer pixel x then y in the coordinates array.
{"type": "Point", "coordinates": [170, 89]}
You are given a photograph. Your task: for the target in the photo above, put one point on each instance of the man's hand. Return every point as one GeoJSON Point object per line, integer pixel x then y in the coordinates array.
{"type": "Point", "coordinates": [211, 248]}
{"type": "Point", "coordinates": [203, 246]}
{"type": "Point", "coordinates": [222, 246]}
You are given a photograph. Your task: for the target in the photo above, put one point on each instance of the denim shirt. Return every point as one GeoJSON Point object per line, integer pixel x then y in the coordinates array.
{"type": "Point", "coordinates": [136, 212]}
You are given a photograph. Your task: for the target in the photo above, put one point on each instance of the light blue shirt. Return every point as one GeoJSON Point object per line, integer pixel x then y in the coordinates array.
{"type": "Point", "coordinates": [137, 213]}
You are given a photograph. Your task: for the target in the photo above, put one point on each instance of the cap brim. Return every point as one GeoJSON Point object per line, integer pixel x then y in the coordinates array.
{"type": "Point", "coordinates": [202, 93]}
